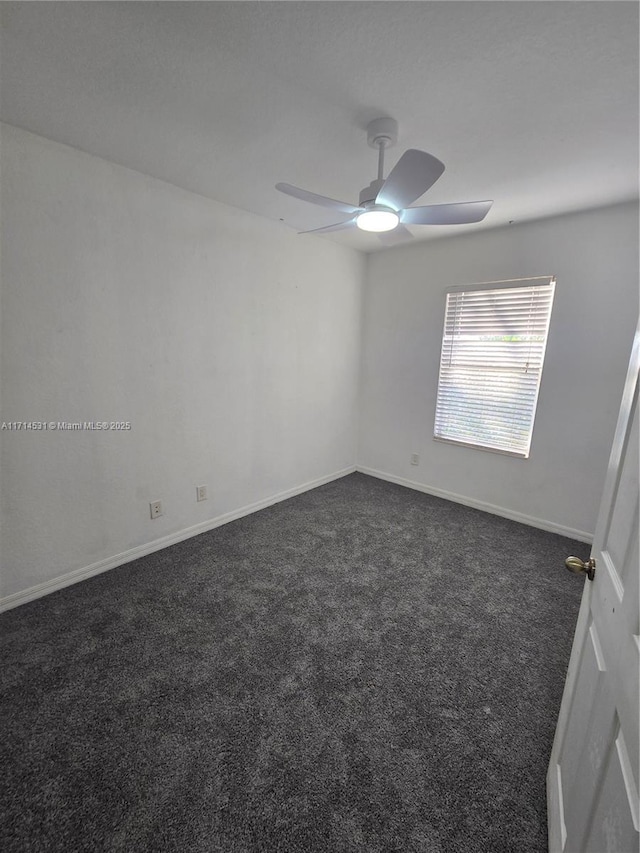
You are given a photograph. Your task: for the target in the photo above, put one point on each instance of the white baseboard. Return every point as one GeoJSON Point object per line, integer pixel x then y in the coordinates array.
{"type": "Point", "coordinates": [69, 578]}
{"type": "Point", "coordinates": [541, 523]}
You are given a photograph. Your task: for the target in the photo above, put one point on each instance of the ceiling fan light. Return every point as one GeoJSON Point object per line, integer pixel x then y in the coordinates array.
{"type": "Point", "coordinates": [377, 220]}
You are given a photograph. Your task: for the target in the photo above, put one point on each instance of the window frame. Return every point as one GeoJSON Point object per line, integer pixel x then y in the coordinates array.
{"type": "Point", "coordinates": [505, 284]}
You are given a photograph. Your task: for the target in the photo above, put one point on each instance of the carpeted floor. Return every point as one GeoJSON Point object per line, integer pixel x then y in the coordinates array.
{"type": "Point", "coordinates": [360, 668]}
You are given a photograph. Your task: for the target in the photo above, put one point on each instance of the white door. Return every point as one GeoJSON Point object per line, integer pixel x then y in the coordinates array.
{"type": "Point", "coordinates": [592, 783]}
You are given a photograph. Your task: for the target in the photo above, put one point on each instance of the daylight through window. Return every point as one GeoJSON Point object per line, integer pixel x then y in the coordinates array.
{"type": "Point", "coordinates": [493, 347]}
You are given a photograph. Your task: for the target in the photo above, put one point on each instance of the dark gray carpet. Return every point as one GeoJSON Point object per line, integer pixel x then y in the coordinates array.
{"type": "Point", "coordinates": [360, 668]}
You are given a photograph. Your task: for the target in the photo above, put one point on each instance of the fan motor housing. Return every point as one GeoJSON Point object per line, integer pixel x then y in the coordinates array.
{"type": "Point", "coordinates": [368, 194]}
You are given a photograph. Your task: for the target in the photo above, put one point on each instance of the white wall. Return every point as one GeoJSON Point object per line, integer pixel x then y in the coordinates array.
{"type": "Point", "coordinates": [233, 347]}
{"type": "Point", "coordinates": [230, 344]}
{"type": "Point", "coordinates": [594, 256]}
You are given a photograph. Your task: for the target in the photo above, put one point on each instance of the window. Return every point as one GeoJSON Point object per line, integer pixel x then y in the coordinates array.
{"type": "Point", "coordinates": [493, 347]}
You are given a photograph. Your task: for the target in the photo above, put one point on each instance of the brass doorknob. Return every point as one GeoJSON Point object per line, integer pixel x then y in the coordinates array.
{"type": "Point", "coordinates": [576, 565]}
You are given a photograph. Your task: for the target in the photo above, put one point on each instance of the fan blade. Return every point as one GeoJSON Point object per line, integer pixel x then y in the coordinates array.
{"type": "Point", "coordinates": [339, 226]}
{"type": "Point", "coordinates": [314, 198]}
{"type": "Point", "coordinates": [400, 234]}
{"type": "Point", "coordinates": [410, 178]}
{"type": "Point", "coordinates": [446, 214]}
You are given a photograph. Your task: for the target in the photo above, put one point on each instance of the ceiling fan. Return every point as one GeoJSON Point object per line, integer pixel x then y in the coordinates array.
{"type": "Point", "coordinates": [383, 206]}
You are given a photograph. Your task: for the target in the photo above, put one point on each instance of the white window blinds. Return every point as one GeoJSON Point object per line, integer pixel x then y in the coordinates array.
{"type": "Point", "coordinates": [493, 348]}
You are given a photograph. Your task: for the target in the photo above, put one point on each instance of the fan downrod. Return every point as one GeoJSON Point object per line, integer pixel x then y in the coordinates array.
{"type": "Point", "coordinates": [382, 133]}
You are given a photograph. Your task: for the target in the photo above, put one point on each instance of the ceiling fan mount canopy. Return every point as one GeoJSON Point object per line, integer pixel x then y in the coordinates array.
{"type": "Point", "coordinates": [384, 205]}
{"type": "Point", "coordinates": [382, 131]}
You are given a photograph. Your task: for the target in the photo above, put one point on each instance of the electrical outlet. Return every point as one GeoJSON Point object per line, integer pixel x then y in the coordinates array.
{"type": "Point", "coordinates": [155, 509]}
{"type": "Point", "coordinates": [415, 459]}
{"type": "Point", "coordinates": [201, 493]}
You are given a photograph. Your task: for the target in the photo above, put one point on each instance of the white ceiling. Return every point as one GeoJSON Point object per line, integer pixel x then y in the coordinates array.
{"type": "Point", "coordinates": [532, 104]}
